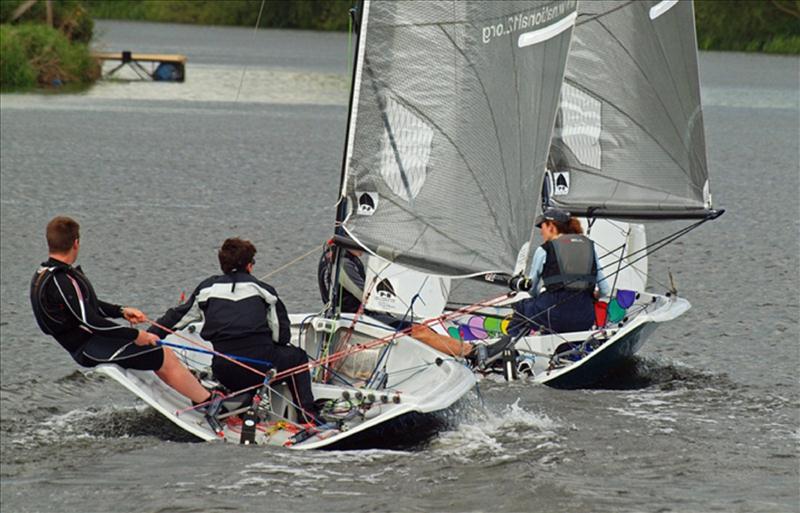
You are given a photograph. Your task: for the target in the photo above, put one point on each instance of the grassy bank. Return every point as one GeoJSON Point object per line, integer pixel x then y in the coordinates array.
{"type": "Point", "coordinates": [40, 56]}
{"type": "Point", "coordinates": [771, 26]}
{"type": "Point", "coordinates": [300, 14]}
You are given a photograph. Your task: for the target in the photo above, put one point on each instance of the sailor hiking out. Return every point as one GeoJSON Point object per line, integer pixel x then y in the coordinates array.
{"type": "Point", "coordinates": [67, 308]}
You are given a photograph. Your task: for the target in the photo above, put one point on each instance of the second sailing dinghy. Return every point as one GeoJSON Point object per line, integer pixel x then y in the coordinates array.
{"type": "Point", "coordinates": [629, 147]}
{"type": "Point", "coordinates": [452, 109]}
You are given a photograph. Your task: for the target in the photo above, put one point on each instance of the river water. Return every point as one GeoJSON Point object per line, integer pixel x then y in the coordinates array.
{"type": "Point", "coordinates": [707, 418]}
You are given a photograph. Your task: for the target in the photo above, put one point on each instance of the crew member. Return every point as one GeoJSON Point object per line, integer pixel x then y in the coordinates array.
{"type": "Point", "coordinates": [568, 267]}
{"type": "Point", "coordinates": [243, 317]}
{"type": "Point", "coordinates": [67, 308]}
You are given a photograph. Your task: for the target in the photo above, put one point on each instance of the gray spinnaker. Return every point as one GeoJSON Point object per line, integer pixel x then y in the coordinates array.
{"type": "Point", "coordinates": [629, 140]}
{"type": "Point", "coordinates": [450, 126]}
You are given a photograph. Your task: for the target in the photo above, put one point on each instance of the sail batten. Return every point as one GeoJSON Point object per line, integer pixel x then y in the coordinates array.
{"type": "Point", "coordinates": [452, 127]}
{"type": "Point", "coordinates": [629, 139]}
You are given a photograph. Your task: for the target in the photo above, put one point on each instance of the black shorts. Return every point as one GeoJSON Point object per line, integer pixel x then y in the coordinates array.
{"type": "Point", "coordinates": [99, 350]}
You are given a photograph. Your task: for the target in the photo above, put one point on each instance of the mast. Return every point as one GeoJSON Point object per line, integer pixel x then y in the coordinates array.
{"type": "Point", "coordinates": [359, 19]}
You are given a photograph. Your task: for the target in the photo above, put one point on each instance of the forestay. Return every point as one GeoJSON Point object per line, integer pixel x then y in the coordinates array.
{"type": "Point", "coordinates": [450, 124]}
{"type": "Point", "coordinates": [629, 139]}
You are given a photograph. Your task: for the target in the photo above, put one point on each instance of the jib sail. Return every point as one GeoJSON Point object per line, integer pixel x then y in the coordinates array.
{"type": "Point", "coordinates": [629, 138]}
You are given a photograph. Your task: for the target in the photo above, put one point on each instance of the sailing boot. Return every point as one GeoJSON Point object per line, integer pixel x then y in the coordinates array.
{"type": "Point", "coordinates": [485, 354]}
{"type": "Point", "coordinates": [211, 409]}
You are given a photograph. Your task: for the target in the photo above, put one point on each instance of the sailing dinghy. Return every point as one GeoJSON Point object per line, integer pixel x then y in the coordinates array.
{"type": "Point", "coordinates": [629, 147]}
{"type": "Point", "coordinates": [452, 109]}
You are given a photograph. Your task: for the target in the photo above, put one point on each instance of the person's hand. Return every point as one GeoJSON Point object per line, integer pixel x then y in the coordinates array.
{"type": "Point", "coordinates": [133, 315]}
{"type": "Point", "coordinates": [146, 339]}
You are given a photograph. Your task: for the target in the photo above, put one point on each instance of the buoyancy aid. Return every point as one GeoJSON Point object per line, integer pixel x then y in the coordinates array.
{"type": "Point", "coordinates": [570, 264]}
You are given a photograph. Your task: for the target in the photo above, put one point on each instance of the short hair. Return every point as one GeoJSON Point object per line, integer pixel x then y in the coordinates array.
{"type": "Point", "coordinates": [235, 254]}
{"type": "Point", "coordinates": [62, 232]}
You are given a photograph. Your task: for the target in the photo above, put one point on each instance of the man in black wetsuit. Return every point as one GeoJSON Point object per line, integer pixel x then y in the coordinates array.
{"type": "Point", "coordinates": [67, 308]}
{"type": "Point", "coordinates": [243, 317]}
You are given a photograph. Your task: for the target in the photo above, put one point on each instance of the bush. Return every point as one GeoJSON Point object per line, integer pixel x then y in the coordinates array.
{"type": "Point", "coordinates": [748, 25]}
{"type": "Point", "coordinates": [69, 16]}
{"type": "Point", "coordinates": [37, 54]}
{"type": "Point", "coordinates": [15, 70]}
{"type": "Point", "coordinates": [302, 14]}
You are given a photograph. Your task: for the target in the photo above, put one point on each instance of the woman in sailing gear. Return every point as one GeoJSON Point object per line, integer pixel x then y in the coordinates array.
{"type": "Point", "coordinates": [67, 308]}
{"type": "Point", "coordinates": [568, 267]}
{"type": "Point", "coordinates": [243, 316]}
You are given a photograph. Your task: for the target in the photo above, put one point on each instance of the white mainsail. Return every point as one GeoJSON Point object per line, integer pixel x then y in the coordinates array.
{"type": "Point", "coordinates": [450, 125]}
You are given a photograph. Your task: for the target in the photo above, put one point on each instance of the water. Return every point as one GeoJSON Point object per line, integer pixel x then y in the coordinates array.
{"type": "Point", "coordinates": [706, 419]}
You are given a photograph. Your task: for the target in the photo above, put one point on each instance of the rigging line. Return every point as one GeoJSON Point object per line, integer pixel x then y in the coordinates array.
{"type": "Point", "coordinates": [619, 265]}
{"type": "Point", "coordinates": [668, 240]}
{"type": "Point", "coordinates": [215, 353]}
{"type": "Point", "coordinates": [388, 347]}
{"type": "Point", "coordinates": [244, 69]}
{"type": "Point", "coordinates": [289, 264]}
{"type": "Point", "coordinates": [206, 351]}
{"type": "Point", "coordinates": [386, 339]}
{"type": "Point", "coordinates": [349, 332]}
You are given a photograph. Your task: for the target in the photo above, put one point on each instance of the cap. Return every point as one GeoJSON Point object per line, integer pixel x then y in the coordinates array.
{"type": "Point", "coordinates": [552, 214]}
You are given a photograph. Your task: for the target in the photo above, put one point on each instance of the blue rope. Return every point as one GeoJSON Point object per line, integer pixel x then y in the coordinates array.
{"type": "Point", "coordinates": [198, 350]}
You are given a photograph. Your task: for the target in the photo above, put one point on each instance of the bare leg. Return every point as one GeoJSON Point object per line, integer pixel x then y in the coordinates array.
{"type": "Point", "coordinates": [174, 374]}
{"type": "Point", "coordinates": [441, 343]}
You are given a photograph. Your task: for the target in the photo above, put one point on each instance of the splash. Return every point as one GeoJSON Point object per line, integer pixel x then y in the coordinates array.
{"type": "Point", "coordinates": [500, 434]}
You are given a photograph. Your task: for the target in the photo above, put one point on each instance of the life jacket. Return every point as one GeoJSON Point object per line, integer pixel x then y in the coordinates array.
{"type": "Point", "coordinates": [570, 264]}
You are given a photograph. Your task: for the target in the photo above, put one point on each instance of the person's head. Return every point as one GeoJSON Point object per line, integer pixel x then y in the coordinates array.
{"type": "Point", "coordinates": [63, 236]}
{"type": "Point", "coordinates": [554, 222]}
{"type": "Point", "coordinates": [237, 255]}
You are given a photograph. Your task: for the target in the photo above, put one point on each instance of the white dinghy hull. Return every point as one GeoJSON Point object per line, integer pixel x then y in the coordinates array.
{"type": "Point", "coordinates": [407, 408]}
{"type": "Point", "coordinates": [582, 359]}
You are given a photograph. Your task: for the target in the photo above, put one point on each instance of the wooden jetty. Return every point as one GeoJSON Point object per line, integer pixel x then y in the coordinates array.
{"type": "Point", "coordinates": [166, 67]}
